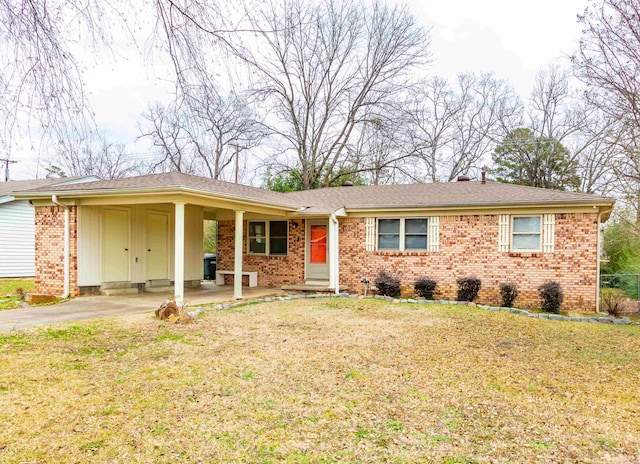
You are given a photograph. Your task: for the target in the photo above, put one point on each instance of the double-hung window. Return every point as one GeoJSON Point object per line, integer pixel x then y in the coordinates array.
{"type": "Point", "coordinates": [268, 238]}
{"type": "Point", "coordinates": [405, 234]}
{"type": "Point", "coordinates": [526, 233]}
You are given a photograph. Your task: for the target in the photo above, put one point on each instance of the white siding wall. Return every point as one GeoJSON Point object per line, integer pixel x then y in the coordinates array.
{"type": "Point", "coordinates": [90, 243]}
{"type": "Point", "coordinates": [17, 239]}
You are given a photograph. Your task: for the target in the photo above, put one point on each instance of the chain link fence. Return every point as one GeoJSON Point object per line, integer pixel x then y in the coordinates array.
{"type": "Point", "coordinates": [628, 283]}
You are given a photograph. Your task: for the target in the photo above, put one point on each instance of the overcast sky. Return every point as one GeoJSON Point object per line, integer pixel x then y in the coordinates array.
{"type": "Point", "coordinates": [511, 38]}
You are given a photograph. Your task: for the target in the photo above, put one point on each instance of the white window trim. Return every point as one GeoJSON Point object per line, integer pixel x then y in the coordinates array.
{"type": "Point", "coordinates": [267, 232]}
{"type": "Point", "coordinates": [512, 233]}
{"type": "Point", "coordinates": [401, 244]}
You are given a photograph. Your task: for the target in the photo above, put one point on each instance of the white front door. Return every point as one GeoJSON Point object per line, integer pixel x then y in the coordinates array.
{"type": "Point", "coordinates": [115, 245]}
{"type": "Point", "coordinates": [157, 224]}
{"type": "Point", "coordinates": [317, 249]}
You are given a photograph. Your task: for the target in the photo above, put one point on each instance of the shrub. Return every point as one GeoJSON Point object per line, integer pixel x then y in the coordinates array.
{"type": "Point", "coordinates": [552, 296]}
{"type": "Point", "coordinates": [508, 292]}
{"type": "Point", "coordinates": [468, 288]}
{"type": "Point", "coordinates": [425, 287]}
{"type": "Point", "coordinates": [387, 284]}
{"type": "Point", "coordinates": [616, 302]}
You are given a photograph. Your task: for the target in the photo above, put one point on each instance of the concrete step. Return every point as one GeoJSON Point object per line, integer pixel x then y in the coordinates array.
{"type": "Point", "coordinates": [312, 288]}
{"type": "Point", "coordinates": [120, 284]}
{"type": "Point", "coordinates": [158, 283]}
{"type": "Point", "coordinates": [118, 291]}
{"type": "Point", "coordinates": [164, 289]}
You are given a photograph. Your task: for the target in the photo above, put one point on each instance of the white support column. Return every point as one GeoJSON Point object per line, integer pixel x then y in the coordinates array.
{"type": "Point", "coordinates": [178, 261]}
{"type": "Point", "coordinates": [237, 263]}
{"type": "Point", "coordinates": [334, 255]}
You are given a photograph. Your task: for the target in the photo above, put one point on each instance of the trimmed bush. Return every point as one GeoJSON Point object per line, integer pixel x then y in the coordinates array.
{"type": "Point", "coordinates": [508, 292]}
{"type": "Point", "coordinates": [468, 288]}
{"type": "Point", "coordinates": [387, 284]}
{"type": "Point", "coordinates": [425, 287]}
{"type": "Point", "coordinates": [552, 296]}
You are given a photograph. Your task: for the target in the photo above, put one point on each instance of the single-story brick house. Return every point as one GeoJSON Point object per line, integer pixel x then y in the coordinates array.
{"type": "Point", "coordinates": [140, 231]}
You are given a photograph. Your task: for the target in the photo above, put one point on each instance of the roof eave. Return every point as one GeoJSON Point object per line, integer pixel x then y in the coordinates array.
{"type": "Point", "coordinates": [45, 194]}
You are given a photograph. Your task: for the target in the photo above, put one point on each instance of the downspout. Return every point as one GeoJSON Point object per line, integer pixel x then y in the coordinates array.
{"type": "Point", "coordinates": [54, 199]}
{"type": "Point", "coordinates": [335, 254]}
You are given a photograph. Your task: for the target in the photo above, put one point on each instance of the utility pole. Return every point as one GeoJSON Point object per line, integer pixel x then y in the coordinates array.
{"type": "Point", "coordinates": [237, 147]}
{"type": "Point", "coordinates": [6, 167]}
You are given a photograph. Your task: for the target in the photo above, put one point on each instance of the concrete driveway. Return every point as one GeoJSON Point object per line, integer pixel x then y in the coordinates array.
{"type": "Point", "coordinates": [90, 307]}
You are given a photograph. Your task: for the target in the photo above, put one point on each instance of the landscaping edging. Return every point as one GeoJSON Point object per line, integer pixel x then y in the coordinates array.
{"type": "Point", "coordinates": [522, 312]}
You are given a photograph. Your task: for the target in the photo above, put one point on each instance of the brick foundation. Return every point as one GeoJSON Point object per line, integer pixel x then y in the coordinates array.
{"type": "Point", "coordinates": [50, 250]}
{"type": "Point", "coordinates": [468, 247]}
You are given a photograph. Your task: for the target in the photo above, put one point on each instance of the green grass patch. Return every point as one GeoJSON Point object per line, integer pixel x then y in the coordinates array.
{"type": "Point", "coordinates": [10, 286]}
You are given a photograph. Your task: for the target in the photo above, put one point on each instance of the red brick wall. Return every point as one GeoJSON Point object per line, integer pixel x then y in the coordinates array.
{"type": "Point", "coordinates": [50, 250]}
{"type": "Point", "coordinates": [273, 271]}
{"type": "Point", "coordinates": [468, 247]}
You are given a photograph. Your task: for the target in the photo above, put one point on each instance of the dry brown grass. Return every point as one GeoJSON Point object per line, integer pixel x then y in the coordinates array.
{"type": "Point", "coordinates": [322, 381]}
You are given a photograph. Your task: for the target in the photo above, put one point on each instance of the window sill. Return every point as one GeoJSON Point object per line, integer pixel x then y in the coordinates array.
{"type": "Point", "coordinates": [403, 253]}
{"type": "Point", "coordinates": [525, 254]}
{"type": "Point", "coordinates": [262, 255]}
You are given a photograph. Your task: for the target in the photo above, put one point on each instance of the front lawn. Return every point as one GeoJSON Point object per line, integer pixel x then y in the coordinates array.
{"type": "Point", "coordinates": [322, 381]}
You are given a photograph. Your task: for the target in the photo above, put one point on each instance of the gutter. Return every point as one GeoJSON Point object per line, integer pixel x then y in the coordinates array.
{"type": "Point", "coordinates": [478, 206]}
{"type": "Point", "coordinates": [54, 200]}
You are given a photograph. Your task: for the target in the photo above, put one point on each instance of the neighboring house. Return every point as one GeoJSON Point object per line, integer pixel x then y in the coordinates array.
{"type": "Point", "coordinates": [144, 231]}
{"type": "Point", "coordinates": [17, 227]}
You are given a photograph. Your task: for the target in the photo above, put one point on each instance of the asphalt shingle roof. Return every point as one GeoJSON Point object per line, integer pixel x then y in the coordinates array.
{"type": "Point", "coordinates": [178, 180]}
{"type": "Point", "coordinates": [469, 193]}
{"type": "Point", "coordinates": [434, 195]}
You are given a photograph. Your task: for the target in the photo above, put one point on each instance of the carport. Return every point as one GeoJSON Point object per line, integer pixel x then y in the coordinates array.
{"type": "Point", "coordinates": [139, 233]}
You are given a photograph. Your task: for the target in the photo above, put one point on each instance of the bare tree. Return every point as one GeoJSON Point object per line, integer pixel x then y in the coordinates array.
{"type": "Point", "coordinates": [95, 156]}
{"type": "Point", "coordinates": [165, 129]}
{"type": "Point", "coordinates": [325, 68]}
{"type": "Point", "coordinates": [41, 87]}
{"type": "Point", "coordinates": [453, 129]}
{"type": "Point", "coordinates": [556, 111]}
{"type": "Point", "coordinates": [202, 133]}
{"type": "Point", "coordinates": [608, 61]}
{"type": "Point", "coordinates": [431, 115]}
{"type": "Point", "coordinates": [491, 109]}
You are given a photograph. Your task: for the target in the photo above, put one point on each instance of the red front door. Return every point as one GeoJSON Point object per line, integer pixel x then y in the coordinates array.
{"type": "Point", "coordinates": [317, 250]}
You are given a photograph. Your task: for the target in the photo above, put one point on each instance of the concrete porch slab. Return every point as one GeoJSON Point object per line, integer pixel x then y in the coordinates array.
{"type": "Point", "coordinates": [91, 307]}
